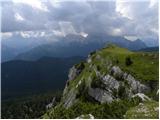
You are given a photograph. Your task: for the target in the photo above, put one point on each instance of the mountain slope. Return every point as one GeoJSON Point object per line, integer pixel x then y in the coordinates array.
{"type": "Point", "coordinates": [21, 78]}
{"type": "Point", "coordinates": [111, 81]}
{"type": "Point", "coordinates": [74, 45]}
{"type": "Point", "coordinates": [150, 49]}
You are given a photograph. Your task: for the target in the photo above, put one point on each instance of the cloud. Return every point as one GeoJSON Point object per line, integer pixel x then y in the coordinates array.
{"type": "Point", "coordinates": [6, 35]}
{"type": "Point", "coordinates": [143, 17]}
{"type": "Point", "coordinates": [67, 28]}
{"type": "Point", "coordinates": [35, 4]}
{"type": "Point", "coordinates": [119, 17]}
{"type": "Point", "coordinates": [18, 17]}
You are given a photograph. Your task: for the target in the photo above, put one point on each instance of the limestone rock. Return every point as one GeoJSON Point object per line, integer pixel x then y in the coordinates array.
{"type": "Point", "coordinates": [70, 99]}
{"type": "Point", "coordinates": [73, 73]}
{"type": "Point", "coordinates": [142, 96]}
{"type": "Point", "coordinates": [116, 71]}
{"type": "Point", "coordinates": [110, 82]}
{"type": "Point", "coordinates": [50, 105]}
{"type": "Point", "coordinates": [88, 116]}
{"type": "Point", "coordinates": [100, 95]}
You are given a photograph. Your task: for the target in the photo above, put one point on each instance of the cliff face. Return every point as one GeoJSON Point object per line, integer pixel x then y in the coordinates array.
{"type": "Point", "coordinates": [110, 75]}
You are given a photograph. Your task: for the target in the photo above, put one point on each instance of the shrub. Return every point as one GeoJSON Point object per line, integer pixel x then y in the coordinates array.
{"type": "Point", "coordinates": [128, 61]}
{"type": "Point", "coordinates": [98, 68]}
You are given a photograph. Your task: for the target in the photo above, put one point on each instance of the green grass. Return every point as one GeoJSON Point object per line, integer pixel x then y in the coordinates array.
{"type": "Point", "coordinates": [147, 110]}
{"type": "Point", "coordinates": [113, 110]}
{"type": "Point", "coordinates": [144, 68]}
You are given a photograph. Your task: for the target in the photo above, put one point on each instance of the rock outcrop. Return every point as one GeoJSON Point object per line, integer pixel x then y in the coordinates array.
{"type": "Point", "coordinates": [112, 86]}
{"type": "Point", "coordinates": [88, 116]}
{"type": "Point", "coordinates": [105, 79]}
{"type": "Point", "coordinates": [115, 85]}
{"type": "Point", "coordinates": [73, 73]}
{"type": "Point", "coordinates": [50, 105]}
{"type": "Point", "coordinates": [141, 96]}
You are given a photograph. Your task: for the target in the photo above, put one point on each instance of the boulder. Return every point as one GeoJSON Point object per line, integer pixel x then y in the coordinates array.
{"type": "Point", "coordinates": [110, 82]}
{"type": "Point", "coordinates": [100, 95]}
{"type": "Point", "coordinates": [116, 71]}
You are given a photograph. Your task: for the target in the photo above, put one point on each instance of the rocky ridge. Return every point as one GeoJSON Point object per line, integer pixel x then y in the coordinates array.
{"type": "Point", "coordinates": [106, 77]}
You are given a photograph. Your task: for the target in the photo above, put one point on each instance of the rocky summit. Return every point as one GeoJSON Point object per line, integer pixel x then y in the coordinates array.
{"type": "Point", "coordinates": [112, 83]}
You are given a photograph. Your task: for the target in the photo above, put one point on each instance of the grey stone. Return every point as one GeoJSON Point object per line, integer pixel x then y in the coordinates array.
{"type": "Point", "coordinates": [116, 71]}
{"type": "Point", "coordinates": [110, 82]}
{"type": "Point", "coordinates": [142, 96]}
{"type": "Point", "coordinates": [73, 73]}
{"type": "Point", "coordinates": [88, 116]}
{"type": "Point", "coordinates": [50, 105]}
{"type": "Point", "coordinates": [100, 95]}
{"type": "Point", "coordinates": [69, 100]}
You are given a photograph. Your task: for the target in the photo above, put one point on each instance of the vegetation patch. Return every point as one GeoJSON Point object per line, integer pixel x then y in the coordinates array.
{"type": "Point", "coordinates": [147, 110]}
{"type": "Point", "coordinates": [114, 110]}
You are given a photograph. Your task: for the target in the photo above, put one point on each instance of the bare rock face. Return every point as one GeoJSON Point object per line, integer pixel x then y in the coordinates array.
{"type": "Point", "coordinates": [135, 85]}
{"type": "Point", "coordinates": [50, 105]}
{"type": "Point", "coordinates": [114, 87]}
{"type": "Point", "coordinates": [100, 95]}
{"type": "Point", "coordinates": [89, 60]}
{"type": "Point", "coordinates": [110, 82]}
{"type": "Point", "coordinates": [88, 116]}
{"type": "Point", "coordinates": [116, 71]}
{"type": "Point", "coordinates": [73, 73]}
{"type": "Point", "coordinates": [70, 99]}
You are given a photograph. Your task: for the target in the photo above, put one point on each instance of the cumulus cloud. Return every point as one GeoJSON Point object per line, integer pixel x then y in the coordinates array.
{"type": "Point", "coordinates": [35, 4]}
{"type": "Point", "coordinates": [118, 17]}
{"type": "Point", "coordinates": [18, 17]}
{"type": "Point", "coordinates": [6, 35]}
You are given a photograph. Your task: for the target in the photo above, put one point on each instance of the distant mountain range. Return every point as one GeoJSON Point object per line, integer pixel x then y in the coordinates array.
{"type": "Point", "coordinates": [150, 49]}
{"type": "Point", "coordinates": [76, 45]}
{"type": "Point", "coordinates": [21, 78]}
{"type": "Point", "coordinates": [150, 42]}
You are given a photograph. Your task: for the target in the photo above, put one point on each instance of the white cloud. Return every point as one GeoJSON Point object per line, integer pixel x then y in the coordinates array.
{"type": "Point", "coordinates": [33, 34]}
{"type": "Point", "coordinates": [124, 9]}
{"type": "Point", "coordinates": [37, 4]}
{"type": "Point", "coordinates": [116, 32]}
{"type": "Point", "coordinates": [55, 3]}
{"type": "Point", "coordinates": [121, 17]}
{"type": "Point", "coordinates": [153, 3]}
{"type": "Point", "coordinates": [132, 38]}
{"type": "Point", "coordinates": [18, 17]}
{"type": "Point", "coordinates": [142, 17]}
{"type": "Point", "coordinates": [58, 33]}
{"type": "Point", "coordinates": [25, 34]}
{"type": "Point", "coordinates": [83, 34]}
{"type": "Point", "coordinates": [6, 35]}
{"type": "Point", "coordinates": [67, 28]}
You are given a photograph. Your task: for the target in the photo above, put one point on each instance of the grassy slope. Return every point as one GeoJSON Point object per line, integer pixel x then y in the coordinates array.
{"type": "Point", "coordinates": [146, 110]}
{"type": "Point", "coordinates": [144, 68]}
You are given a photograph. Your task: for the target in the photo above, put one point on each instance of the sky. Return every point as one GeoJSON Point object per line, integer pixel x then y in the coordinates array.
{"type": "Point", "coordinates": [42, 18]}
